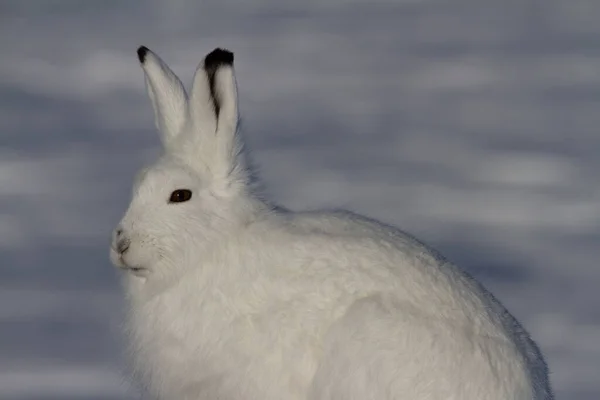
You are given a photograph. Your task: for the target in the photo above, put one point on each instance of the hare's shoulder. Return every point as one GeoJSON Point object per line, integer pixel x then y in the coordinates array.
{"type": "Point", "coordinates": [343, 225]}
{"type": "Point", "coordinates": [344, 246]}
{"type": "Point", "coordinates": [341, 242]}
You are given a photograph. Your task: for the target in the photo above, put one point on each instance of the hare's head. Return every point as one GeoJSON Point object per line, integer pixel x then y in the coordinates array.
{"type": "Point", "coordinates": [197, 191]}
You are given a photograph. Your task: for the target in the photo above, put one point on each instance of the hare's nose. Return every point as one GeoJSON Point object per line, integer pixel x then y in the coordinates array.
{"type": "Point", "coordinates": [123, 245]}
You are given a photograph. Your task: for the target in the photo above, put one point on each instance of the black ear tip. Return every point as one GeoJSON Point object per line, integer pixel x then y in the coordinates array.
{"type": "Point", "coordinates": [142, 51]}
{"type": "Point", "coordinates": [218, 57]}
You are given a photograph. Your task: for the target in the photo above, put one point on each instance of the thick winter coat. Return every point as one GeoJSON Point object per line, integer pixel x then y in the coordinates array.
{"type": "Point", "coordinates": [233, 298]}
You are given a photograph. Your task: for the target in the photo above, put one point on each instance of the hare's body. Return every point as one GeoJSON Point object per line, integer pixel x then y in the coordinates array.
{"type": "Point", "coordinates": [233, 299]}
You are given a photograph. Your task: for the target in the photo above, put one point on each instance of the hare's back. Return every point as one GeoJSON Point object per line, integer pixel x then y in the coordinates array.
{"type": "Point", "coordinates": [370, 257]}
{"type": "Point", "coordinates": [386, 349]}
{"type": "Point", "coordinates": [430, 301]}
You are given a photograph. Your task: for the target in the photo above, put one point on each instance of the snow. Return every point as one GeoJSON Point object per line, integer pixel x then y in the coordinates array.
{"type": "Point", "coordinates": [470, 123]}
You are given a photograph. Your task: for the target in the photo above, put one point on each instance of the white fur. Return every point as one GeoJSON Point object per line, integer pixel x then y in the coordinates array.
{"type": "Point", "coordinates": [233, 298]}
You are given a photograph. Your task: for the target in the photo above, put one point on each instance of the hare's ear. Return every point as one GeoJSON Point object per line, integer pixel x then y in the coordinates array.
{"type": "Point", "coordinates": [167, 94]}
{"type": "Point", "coordinates": [214, 94]}
{"type": "Point", "coordinates": [218, 65]}
{"type": "Point", "coordinates": [214, 108]}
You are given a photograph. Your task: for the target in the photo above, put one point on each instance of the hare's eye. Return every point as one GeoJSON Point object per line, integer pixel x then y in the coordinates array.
{"type": "Point", "coordinates": [180, 195]}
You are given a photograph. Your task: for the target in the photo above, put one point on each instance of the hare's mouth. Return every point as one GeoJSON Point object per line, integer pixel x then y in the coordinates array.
{"type": "Point", "coordinates": [134, 269]}
{"type": "Point", "coordinates": [138, 271]}
{"type": "Point", "coordinates": [119, 260]}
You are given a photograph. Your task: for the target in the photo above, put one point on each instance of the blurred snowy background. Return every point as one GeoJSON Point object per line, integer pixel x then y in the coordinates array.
{"type": "Point", "coordinates": [473, 124]}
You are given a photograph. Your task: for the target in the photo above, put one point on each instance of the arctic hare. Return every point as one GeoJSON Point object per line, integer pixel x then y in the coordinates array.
{"type": "Point", "coordinates": [231, 297]}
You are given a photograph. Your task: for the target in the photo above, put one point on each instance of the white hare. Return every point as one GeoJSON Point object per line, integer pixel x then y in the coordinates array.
{"type": "Point", "coordinates": [233, 298]}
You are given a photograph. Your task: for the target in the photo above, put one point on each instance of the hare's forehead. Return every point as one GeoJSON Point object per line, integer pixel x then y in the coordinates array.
{"type": "Point", "coordinates": [164, 174]}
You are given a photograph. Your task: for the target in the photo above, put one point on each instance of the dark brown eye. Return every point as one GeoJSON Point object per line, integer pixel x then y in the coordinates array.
{"type": "Point", "coordinates": [180, 195]}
